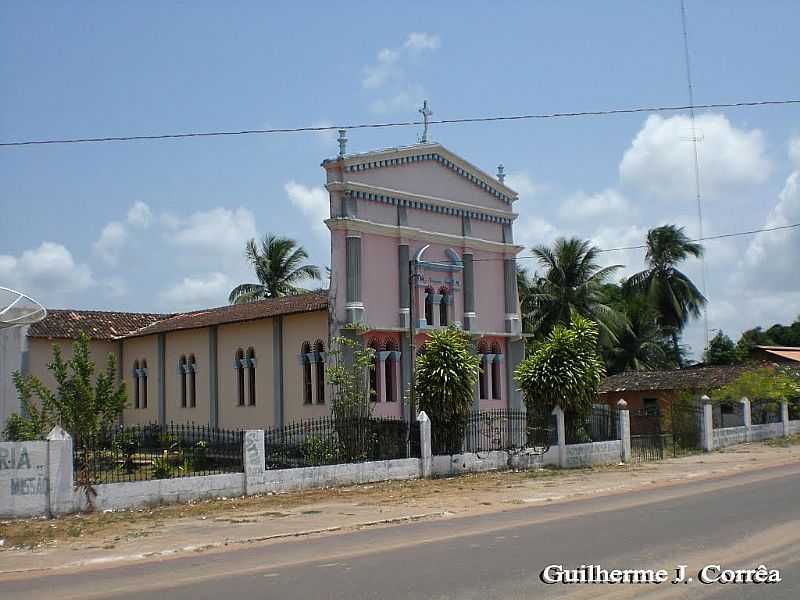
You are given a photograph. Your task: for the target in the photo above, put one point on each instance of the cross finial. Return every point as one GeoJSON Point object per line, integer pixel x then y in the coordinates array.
{"type": "Point", "coordinates": [342, 139]}
{"type": "Point", "coordinates": [501, 175]}
{"type": "Point", "coordinates": [425, 112]}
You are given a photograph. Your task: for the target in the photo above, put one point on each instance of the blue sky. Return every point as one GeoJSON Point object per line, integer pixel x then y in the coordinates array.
{"type": "Point", "coordinates": [160, 226]}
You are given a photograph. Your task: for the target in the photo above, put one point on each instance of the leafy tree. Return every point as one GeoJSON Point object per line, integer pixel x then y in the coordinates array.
{"type": "Point", "coordinates": [721, 351]}
{"type": "Point", "coordinates": [776, 335]}
{"type": "Point", "coordinates": [82, 403]}
{"type": "Point", "coordinates": [279, 268]}
{"type": "Point", "coordinates": [447, 372]}
{"type": "Point", "coordinates": [572, 283]}
{"type": "Point", "coordinates": [759, 384]}
{"type": "Point", "coordinates": [672, 294]}
{"type": "Point", "coordinates": [564, 370]}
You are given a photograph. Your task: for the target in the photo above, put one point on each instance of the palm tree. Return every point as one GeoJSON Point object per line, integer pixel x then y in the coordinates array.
{"type": "Point", "coordinates": [279, 268]}
{"type": "Point", "coordinates": [671, 293]}
{"type": "Point", "coordinates": [642, 346]}
{"type": "Point", "coordinates": [572, 283]}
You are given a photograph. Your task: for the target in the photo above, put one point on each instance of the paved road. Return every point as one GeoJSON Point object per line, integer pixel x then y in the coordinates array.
{"type": "Point", "coordinates": [739, 521]}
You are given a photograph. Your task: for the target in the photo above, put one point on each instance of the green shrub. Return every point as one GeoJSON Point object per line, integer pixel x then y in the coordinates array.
{"type": "Point", "coordinates": [162, 468]}
{"type": "Point", "coordinates": [319, 450]}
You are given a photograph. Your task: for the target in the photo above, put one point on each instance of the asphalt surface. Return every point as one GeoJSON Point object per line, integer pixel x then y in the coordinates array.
{"type": "Point", "coordinates": [740, 521]}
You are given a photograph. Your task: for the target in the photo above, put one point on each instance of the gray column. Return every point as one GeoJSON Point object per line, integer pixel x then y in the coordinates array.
{"type": "Point", "coordinates": [508, 233]}
{"type": "Point", "coordinates": [403, 256]}
{"type": "Point", "coordinates": [405, 377]}
{"type": "Point", "coordinates": [624, 429]}
{"type": "Point", "coordinates": [707, 424]}
{"type": "Point", "coordinates": [748, 419]}
{"type": "Point", "coordinates": [426, 458]}
{"type": "Point", "coordinates": [277, 371]}
{"type": "Point", "coordinates": [213, 377]}
{"type": "Point", "coordinates": [254, 461]}
{"type": "Point", "coordinates": [466, 227]}
{"type": "Point", "coordinates": [515, 355]}
{"type": "Point", "coordinates": [162, 378]}
{"type": "Point", "coordinates": [354, 307]}
{"type": "Point", "coordinates": [402, 216]}
{"type": "Point", "coordinates": [469, 292]}
{"type": "Point", "coordinates": [510, 280]}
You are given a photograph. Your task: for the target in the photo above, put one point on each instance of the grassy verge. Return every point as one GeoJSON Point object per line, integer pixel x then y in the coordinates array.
{"type": "Point", "coordinates": [784, 442]}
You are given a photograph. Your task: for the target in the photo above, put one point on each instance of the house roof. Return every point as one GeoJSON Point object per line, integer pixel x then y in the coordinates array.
{"type": "Point", "coordinates": [235, 313]}
{"type": "Point", "coordinates": [97, 324]}
{"type": "Point", "coordinates": [690, 378]}
{"type": "Point", "coordinates": [785, 352]}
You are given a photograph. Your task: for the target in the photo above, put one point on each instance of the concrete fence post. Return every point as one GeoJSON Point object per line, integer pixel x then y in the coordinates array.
{"type": "Point", "coordinates": [254, 460]}
{"type": "Point", "coordinates": [562, 437]}
{"type": "Point", "coordinates": [61, 497]}
{"type": "Point", "coordinates": [748, 418]}
{"type": "Point", "coordinates": [425, 455]}
{"type": "Point", "coordinates": [785, 417]}
{"type": "Point", "coordinates": [707, 424]}
{"type": "Point", "coordinates": [624, 429]}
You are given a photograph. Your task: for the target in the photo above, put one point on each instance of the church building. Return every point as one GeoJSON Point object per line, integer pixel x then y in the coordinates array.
{"type": "Point", "coordinates": [420, 239]}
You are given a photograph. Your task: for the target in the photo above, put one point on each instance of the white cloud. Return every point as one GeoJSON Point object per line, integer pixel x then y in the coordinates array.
{"type": "Point", "coordinates": [200, 291]}
{"type": "Point", "coordinates": [522, 183]}
{"type": "Point", "coordinates": [313, 203]}
{"type": "Point", "coordinates": [115, 286]}
{"type": "Point", "coordinates": [534, 231]}
{"type": "Point", "coordinates": [217, 232]}
{"type": "Point", "coordinates": [140, 215]}
{"type": "Point", "coordinates": [607, 203]}
{"type": "Point", "coordinates": [389, 74]}
{"type": "Point", "coordinates": [422, 41]}
{"type": "Point", "coordinates": [49, 273]}
{"type": "Point", "coordinates": [111, 241]}
{"type": "Point", "coordinates": [660, 158]}
{"type": "Point", "coordinates": [794, 151]}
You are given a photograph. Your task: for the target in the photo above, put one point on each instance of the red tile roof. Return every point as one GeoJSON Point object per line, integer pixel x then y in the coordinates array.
{"type": "Point", "coordinates": [97, 324]}
{"type": "Point", "coordinates": [691, 378]}
{"type": "Point", "coordinates": [234, 313]}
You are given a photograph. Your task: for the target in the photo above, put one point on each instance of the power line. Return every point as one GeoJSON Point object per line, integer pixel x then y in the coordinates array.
{"type": "Point", "coordinates": [642, 246]}
{"type": "Point", "coordinates": [489, 119]}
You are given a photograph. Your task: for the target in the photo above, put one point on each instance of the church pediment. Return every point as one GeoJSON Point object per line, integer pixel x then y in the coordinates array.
{"type": "Point", "coordinates": [426, 169]}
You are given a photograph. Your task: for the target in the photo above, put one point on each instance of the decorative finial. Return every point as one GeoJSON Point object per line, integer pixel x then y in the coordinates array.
{"type": "Point", "coordinates": [425, 112]}
{"type": "Point", "coordinates": [342, 139]}
{"type": "Point", "coordinates": [501, 176]}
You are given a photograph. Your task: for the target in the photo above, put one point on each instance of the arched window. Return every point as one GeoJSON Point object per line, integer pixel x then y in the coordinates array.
{"type": "Point", "coordinates": [182, 374]}
{"type": "Point", "coordinates": [319, 351]}
{"type": "Point", "coordinates": [143, 380]}
{"type": "Point", "coordinates": [136, 384]}
{"type": "Point", "coordinates": [251, 376]}
{"type": "Point", "coordinates": [239, 377]}
{"type": "Point", "coordinates": [482, 378]}
{"type": "Point", "coordinates": [389, 374]}
{"type": "Point", "coordinates": [305, 350]}
{"type": "Point", "coordinates": [496, 381]}
{"type": "Point", "coordinates": [373, 371]}
{"type": "Point", "coordinates": [443, 307]}
{"type": "Point", "coordinates": [429, 306]}
{"type": "Point", "coordinates": [192, 382]}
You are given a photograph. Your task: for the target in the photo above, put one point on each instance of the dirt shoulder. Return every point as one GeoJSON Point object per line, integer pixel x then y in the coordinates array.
{"type": "Point", "coordinates": [103, 538]}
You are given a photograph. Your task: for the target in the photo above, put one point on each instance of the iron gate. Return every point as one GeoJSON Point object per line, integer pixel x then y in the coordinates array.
{"type": "Point", "coordinates": [670, 430]}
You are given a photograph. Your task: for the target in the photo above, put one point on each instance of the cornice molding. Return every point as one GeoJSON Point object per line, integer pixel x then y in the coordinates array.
{"type": "Point", "coordinates": [412, 233]}
{"type": "Point", "coordinates": [435, 204]}
{"type": "Point", "coordinates": [392, 157]}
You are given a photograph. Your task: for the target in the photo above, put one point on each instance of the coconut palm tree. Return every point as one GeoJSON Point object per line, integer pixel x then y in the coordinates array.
{"type": "Point", "coordinates": [572, 283]}
{"type": "Point", "coordinates": [642, 346]}
{"type": "Point", "coordinates": [673, 295]}
{"type": "Point", "coordinates": [279, 268]}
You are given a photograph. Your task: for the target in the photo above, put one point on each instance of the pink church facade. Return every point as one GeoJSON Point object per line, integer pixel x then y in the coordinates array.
{"type": "Point", "coordinates": [422, 209]}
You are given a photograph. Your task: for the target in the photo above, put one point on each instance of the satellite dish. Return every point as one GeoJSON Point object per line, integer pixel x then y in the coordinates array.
{"type": "Point", "coordinates": [17, 308]}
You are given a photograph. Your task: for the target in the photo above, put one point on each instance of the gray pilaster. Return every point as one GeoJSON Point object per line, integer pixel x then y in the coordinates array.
{"type": "Point", "coordinates": [562, 437]}
{"type": "Point", "coordinates": [402, 216]}
{"type": "Point", "coordinates": [516, 354]}
{"type": "Point", "coordinates": [508, 233]}
{"type": "Point", "coordinates": [707, 424]}
{"type": "Point", "coordinates": [403, 257]}
{"type": "Point", "coordinates": [213, 377]}
{"type": "Point", "coordinates": [426, 457]}
{"type": "Point", "coordinates": [469, 292]}
{"type": "Point", "coordinates": [624, 429]}
{"type": "Point", "coordinates": [466, 227]}
{"type": "Point", "coordinates": [162, 378]}
{"type": "Point", "coordinates": [513, 324]}
{"type": "Point", "coordinates": [785, 417]}
{"type": "Point", "coordinates": [277, 371]}
{"type": "Point", "coordinates": [354, 307]}
{"type": "Point", "coordinates": [748, 418]}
